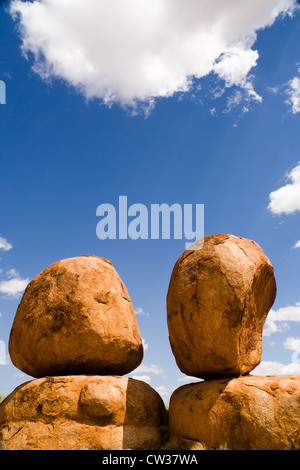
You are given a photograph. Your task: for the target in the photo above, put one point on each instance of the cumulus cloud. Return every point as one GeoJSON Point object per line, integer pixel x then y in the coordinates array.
{"type": "Point", "coordinates": [277, 320]}
{"type": "Point", "coordinates": [4, 244]}
{"type": "Point", "coordinates": [297, 245]}
{"type": "Point", "coordinates": [277, 368]}
{"type": "Point", "coordinates": [293, 344]}
{"type": "Point", "coordinates": [132, 51]}
{"type": "Point", "coordinates": [13, 287]}
{"type": "Point", "coordinates": [286, 200]}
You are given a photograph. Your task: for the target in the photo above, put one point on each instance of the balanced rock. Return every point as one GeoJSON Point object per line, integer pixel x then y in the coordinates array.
{"type": "Point", "coordinates": [81, 413]}
{"type": "Point", "coordinates": [76, 317]}
{"type": "Point", "coordinates": [218, 299]}
{"type": "Point", "coordinates": [245, 413]}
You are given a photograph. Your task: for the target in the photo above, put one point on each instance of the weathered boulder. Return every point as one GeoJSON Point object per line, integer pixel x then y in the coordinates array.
{"type": "Point", "coordinates": [218, 299]}
{"type": "Point", "coordinates": [81, 412]}
{"type": "Point", "coordinates": [245, 413]}
{"type": "Point", "coordinates": [76, 317]}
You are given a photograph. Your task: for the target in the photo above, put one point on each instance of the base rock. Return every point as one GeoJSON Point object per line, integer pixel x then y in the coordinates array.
{"type": "Point", "coordinates": [245, 413]}
{"type": "Point", "coordinates": [81, 413]}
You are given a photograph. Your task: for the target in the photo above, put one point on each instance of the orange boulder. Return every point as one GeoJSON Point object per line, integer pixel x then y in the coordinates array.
{"type": "Point", "coordinates": [81, 413]}
{"type": "Point", "coordinates": [76, 317]}
{"type": "Point", "coordinates": [218, 299]}
{"type": "Point", "coordinates": [244, 413]}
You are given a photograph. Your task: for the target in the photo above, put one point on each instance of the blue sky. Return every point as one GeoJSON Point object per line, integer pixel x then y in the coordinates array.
{"type": "Point", "coordinates": [158, 105]}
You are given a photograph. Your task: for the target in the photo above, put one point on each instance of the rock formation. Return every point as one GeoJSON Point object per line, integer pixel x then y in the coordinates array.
{"type": "Point", "coordinates": [76, 317]}
{"type": "Point", "coordinates": [245, 413]}
{"type": "Point", "coordinates": [82, 413]}
{"type": "Point", "coordinates": [217, 302]}
{"type": "Point", "coordinates": [218, 299]}
{"type": "Point", "coordinates": [76, 330]}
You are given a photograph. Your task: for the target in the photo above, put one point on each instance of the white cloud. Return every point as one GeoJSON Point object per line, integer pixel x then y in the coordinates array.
{"type": "Point", "coordinates": [3, 359]}
{"type": "Point", "coordinates": [19, 374]}
{"type": "Point", "coordinates": [281, 316]}
{"type": "Point", "coordinates": [132, 51]}
{"type": "Point", "coordinates": [293, 92]}
{"type": "Point", "coordinates": [145, 345]}
{"type": "Point", "coordinates": [187, 379]}
{"type": "Point", "coordinates": [144, 378]}
{"type": "Point", "coordinates": [293, 344]}
{"type": "Point", "coordinates": [286, 200]}
{"type": "Point", "coordinates": [14, 287]}
{"type": "Point", "coordinates": [297, 245]}
{"type": "Point", "coordinates": [4, 244]}
{"type": "Point", "coordinates": [291, 89]}
{"type": "Point", "coordinates": [276, 368]}
{"type": "Point", "coordinates": [164, 391]}
{"type": "Point", "coordinates": [12, 273]}
{"type": "Point", "coordinates": [152, 369]}
{"type": "Point", "coordinates": [140, 311]}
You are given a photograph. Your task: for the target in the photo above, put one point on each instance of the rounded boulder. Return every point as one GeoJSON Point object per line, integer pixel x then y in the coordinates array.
{"type": "Point", "coordinates": [243, 413]}
{"type": "Point", "coordinates": [76, 317]}
{"type": "Point", "coordinates": [81, 413]}
{"type": "Point", "coordinates": [218, 300]}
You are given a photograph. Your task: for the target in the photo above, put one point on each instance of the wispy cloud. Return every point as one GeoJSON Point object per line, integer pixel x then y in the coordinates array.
{"type": "Point", "coordinates": [4, 244]}
{"type": "Point", "coordinates": [164, 391]}
{"type": "Point", "coordinates": [187, 379]}
{"type": "Point", "coordinates": [140, 311]}
{"type": "Point", "coordinates": [129, 52]}
{"type": "Point", "coordinates": [292, 90]}
{"type": "Point", "coordinates": [297, 245]}
{"type": "Point", "coordinates": [12, 273]}
{"type": "Point", "coordinates": [152, 369]}
{"type": "Point", "coordinates": [144, 378]}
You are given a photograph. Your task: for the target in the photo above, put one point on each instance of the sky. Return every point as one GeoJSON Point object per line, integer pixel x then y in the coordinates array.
{"type": "Point", "coordinates": [165, 102]}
